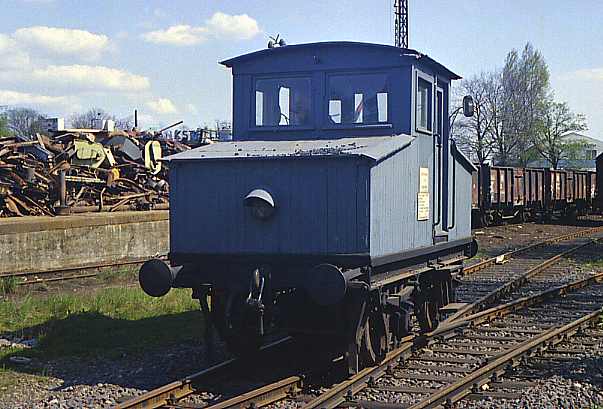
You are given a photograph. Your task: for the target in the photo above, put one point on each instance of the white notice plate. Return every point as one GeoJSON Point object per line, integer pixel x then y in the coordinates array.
{"type": "Point", "coordinates": [423, 206]}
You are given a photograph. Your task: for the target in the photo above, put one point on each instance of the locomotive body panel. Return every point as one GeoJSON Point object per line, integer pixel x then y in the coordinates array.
{"type": "Point", "coordinates": [320, 205]}
{"type": "Point", "coordinates": [341, 186]}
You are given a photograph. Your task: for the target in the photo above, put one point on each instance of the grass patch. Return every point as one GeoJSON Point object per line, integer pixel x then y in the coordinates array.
{"type": "Point", "coordinates": [108, 321]}
{"type": "Point", "coordinates": [596, 264]}
{"type": "Point", "coordinates": [8, 285]}
{"type": "Point", "coordinates": [120, 274]}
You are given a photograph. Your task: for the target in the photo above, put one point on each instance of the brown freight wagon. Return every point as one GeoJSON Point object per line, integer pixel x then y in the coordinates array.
{"type": "Point", "coordinates": [498, 194]}
{"type": "Point", "coordinates": [502, 193]}
{"type": "Point", "coordinates": [534, 192]}
{"type": "Point", "coordinates": [582, 191]}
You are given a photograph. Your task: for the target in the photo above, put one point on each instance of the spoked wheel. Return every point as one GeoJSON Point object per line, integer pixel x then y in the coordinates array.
{"type": "Point", "coordinates": [375, 339]}
{"type": "Point", "coordinates": [234, 324]}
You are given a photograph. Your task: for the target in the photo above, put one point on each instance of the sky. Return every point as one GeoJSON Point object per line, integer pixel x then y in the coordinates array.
{"type": "Point", "coordinates": [63, 56]}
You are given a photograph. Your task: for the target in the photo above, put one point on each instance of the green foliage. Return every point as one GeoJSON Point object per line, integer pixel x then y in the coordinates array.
{"type": "Point", "coordinates": [556, 121]}
{"type": "Point", "coordinates": [4, 130]}
{"type": "Point", "coordinates": [526, 86]}
{"type": "Point", "coordinates": [109, 321]}
{"type": "Point", "coordinates": [8, 285]}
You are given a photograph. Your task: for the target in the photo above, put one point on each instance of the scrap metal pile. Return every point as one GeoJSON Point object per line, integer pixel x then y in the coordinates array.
{"type": "Point", "coordinates": [75, 171]}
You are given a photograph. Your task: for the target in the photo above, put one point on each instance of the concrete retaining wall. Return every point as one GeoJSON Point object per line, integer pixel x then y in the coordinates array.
{"type": "Point", "coordinates": [83, 240]}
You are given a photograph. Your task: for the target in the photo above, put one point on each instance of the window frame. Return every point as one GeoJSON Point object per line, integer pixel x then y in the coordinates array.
{"type": "Point", "coordinates": [420, 76]}
{"type": "Point", "coordinates": [276, 76]}
{"type": "Point", "coordinates": [439, 121]}
{"type": "Point", "coordinates": [326, 123]}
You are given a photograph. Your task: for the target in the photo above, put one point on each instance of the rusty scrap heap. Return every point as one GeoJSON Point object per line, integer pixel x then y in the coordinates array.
{"type": "Point", "coordinates": [84, 170]}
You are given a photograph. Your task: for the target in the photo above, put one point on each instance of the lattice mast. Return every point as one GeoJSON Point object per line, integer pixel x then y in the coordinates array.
{"type": "Point", "coordinates": [401, 23]}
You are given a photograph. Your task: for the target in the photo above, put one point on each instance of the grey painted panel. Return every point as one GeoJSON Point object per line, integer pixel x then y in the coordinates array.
{"type": "Point", "coordinates": [462, 198]}
{"type": "Point", "coordinates": [394, 187]}
{"type": "Point", "coordinates": [317, 206]}
{"type": "Point", "coordinates": [393, 190]}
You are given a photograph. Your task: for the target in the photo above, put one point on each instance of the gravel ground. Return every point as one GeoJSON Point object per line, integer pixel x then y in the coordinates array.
{"type": "Point", "coordinates": [100, 383]}
{"type": "Point", "coordinates": [555, 392]}
{"type": "Point", "coordinates": [499, 239]}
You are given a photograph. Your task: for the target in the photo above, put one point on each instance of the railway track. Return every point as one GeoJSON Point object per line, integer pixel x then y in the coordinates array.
{"type": "Point", "coordinates": [457, 360]}
{"type": "Point", "coordinates": [27, 278]}
{"type": "Point", "coordinates": [534, 275]}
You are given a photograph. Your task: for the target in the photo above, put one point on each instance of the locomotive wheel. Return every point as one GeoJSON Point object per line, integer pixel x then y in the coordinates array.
{"type": "Point", "coordinates": [400, 325]}
{"type": "Point", "coordinates": [230, 317]}
{"type": "Point", "coordinates": [375, 339]}
{"type": "Point", "coordinates": [447, 292]}
{"type": "Point", "coordinates": [427, 315]}
{"type": "Point", "coordinates": [523, 216]}
{"type": "Point", "coordinates": [486, 219]}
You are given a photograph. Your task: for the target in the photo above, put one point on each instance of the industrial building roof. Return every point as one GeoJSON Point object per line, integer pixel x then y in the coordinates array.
{"type": "Point", "coordinates": [375, 148]}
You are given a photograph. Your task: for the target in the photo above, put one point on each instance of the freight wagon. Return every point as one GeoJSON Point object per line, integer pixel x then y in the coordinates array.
{"type": "Point", "coordinates": [502, 193]}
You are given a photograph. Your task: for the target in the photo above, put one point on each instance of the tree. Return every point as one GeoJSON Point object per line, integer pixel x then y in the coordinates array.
{"type": "Point", "coordinates": [557, 121]}
{"type": "Point", "coordinates": [4, 130]}
{"type": "Point", "coordinates": [94, 115]}
{"type": "Point", "coordinates": [526, 95]}
{"type": "Point", "coordinates": [125, 123]}
{"type": "Point", "coordinates": [24, 122]}
{"type": "Point", "coordinates": [88, 119]}
{"type": "Point", "coordinates": [475, 135]}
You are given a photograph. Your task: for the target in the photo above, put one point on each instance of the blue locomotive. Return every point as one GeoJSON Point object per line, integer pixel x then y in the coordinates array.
{"type": "Point", "coordinates": [340, 208]}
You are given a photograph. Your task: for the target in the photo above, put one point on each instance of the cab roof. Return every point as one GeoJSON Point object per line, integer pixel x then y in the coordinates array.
{"type": "Point", "coordinates": [387, 52]}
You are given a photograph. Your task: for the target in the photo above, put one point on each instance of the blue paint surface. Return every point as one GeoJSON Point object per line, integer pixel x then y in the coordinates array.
{"type": "Point", "coordinates": [341, 160]}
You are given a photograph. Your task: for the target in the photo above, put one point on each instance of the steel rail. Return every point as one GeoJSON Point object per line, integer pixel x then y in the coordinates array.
{"type": "Point", "coordinates": [79, 268]}
{"type": "Point", "coordinates": [470, 383]}
{"type": "Point", "coordinates": [263, 396]}
{"type": "Point", "coordinates": [515, 305]}
{"type": "Point", "coordinates": [170, 394]}
{"type": "Point", "coordinates": [511, 285]}
{"type": "Point", "coordinates": [342, 393]}
{"type": "Point", "coordinates": [87, 267]}
{"type": "Point", "coordinates": [506, 256]}
{"type": "Point", "coordinates": [55, 279]}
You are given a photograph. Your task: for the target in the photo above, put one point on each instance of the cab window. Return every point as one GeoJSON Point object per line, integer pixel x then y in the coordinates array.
{"type": "Point", "coordinates": [357, 99]}
{"type": "Point", "coordinates": [423, 104]}
{"type": "Point", "coordinates": [282, 102]}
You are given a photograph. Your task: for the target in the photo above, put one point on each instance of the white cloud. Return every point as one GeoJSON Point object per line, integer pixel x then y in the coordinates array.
{"type": "Point", "coordinates": [220, 25]}
{"type": "Point", "coordinates": [162, 106]}
{"type": "Point", "coordinates": [11, 57]}
{"type": "Point", "coordinates": [21, 98]}
{"type": "Point", "coordinates": [62, 41]}
{"type": "Point", "coordinates": [237, 27]}
{"type": "Point", "coordinates": [87, 77]}
{"type": "Point", "coordinates": [181, 35]}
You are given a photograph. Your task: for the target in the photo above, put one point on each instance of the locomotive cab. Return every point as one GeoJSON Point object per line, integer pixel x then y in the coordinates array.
{"type": "Point", "coordinates": [339, 208]}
